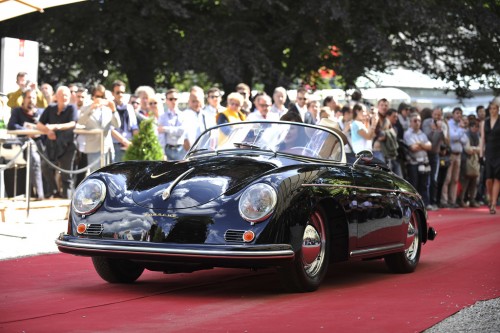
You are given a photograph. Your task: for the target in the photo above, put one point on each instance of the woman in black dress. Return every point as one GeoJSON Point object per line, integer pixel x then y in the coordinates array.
{"type": "Point", "coordinates": [490, 148]}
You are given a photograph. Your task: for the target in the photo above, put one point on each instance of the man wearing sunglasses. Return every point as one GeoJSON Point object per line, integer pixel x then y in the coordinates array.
{"type": "Point", "coordinates": [299, 107]}
{"type": "Point", "coordinates": [213, 107]}
{"type": "Point", "coordinates": [193, 117]}
{"type": "Point", "coordinates": [263, 105]}
{"type": "Point", "coordinates": [122, 136]}
{"type": "Point", "coordinates": [170, 126]}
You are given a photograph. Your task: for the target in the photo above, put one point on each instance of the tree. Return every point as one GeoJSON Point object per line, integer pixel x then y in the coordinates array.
{"type": "Point", "coordinates": [145, 145]}
{"type": "Point", "coordinates": [272, 42]}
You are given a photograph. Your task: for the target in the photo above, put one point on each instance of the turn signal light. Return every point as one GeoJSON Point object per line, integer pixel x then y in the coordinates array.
{"type": "Point", "coordinates": [81, 228]}
{"type": "Point", "coordinates": [248, 236]}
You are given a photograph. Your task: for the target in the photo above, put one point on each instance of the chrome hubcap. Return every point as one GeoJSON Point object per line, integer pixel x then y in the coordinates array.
{"type": "Point", "coordinates": [412, 240]}
{"type": "Point", "coordinates": [313, 245]}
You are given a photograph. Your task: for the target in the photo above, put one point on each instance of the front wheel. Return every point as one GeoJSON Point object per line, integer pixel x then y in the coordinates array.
{"type": "Point", "coordinates": [407, 261]}
{"type": "Point", "coordinates": [117, 270]}
{"type": "Point", "coordinates": [311, 261]}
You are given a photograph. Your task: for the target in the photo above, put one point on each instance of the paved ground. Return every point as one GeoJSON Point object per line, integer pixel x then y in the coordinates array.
{"type": "Point", "coordinates": [25, 234]}
{"type": "Point", "coordinates": [19, 239]}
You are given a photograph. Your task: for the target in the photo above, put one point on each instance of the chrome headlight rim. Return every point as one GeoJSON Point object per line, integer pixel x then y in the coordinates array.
{"type": "Point", "coordinates": [96, 203]}
{"type": "Point", "coordinates": [264, 188]}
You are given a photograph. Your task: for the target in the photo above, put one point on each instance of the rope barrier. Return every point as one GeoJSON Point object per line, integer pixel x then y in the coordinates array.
{"type": "Point", "coordinates": [49, 162]}
{"type": "Point", "coordinates": [13, 160]}
{"type": "Point", "coordinates": [71, 172]}
{"type": "Point", "coordinates": [41, 152]}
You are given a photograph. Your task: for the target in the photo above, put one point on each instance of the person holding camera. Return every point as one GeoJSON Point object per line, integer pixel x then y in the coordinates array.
{"type": "Point", "coordinates": [25, 117]}
{"type": "Point", "coordinates": [24, 83]}
{"type": "Point", "coordinates": [362, 129]}
{"type": "Point", "coordinates": [418, 161]}
{"type": "Point", "coordinates": [244, 90]}
{"type": "Point", "coordinates": [100, 114]}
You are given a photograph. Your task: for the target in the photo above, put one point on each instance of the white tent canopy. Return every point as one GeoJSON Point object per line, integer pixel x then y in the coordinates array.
{"type": "Point", "coordinates": [13, 8]}
{"type": "Point", "coordinates": [401, 78]}
{"type": "Point", "coordinates": [374, 94]}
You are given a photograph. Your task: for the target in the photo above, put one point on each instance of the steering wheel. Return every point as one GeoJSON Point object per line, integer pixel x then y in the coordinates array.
{"type": "Point", "coordinates": [303, 150]}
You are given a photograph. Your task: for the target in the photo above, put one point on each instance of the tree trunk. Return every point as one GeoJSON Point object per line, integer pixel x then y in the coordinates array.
{"type": "Point", "coordinates": [139, 68]}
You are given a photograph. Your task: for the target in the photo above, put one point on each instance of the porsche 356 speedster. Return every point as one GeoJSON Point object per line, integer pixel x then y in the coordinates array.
{"type": "Point", "coordinates": [248, 195]}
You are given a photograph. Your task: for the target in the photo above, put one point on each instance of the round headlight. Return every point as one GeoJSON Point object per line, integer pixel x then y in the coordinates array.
{"type": "Point", "coordinates": [89, 196]}
{"type": "Point", "coordinates": [257, 202]}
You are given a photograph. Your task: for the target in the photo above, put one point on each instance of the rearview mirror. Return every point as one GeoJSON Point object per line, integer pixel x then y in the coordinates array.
{"type": "Point", "coordinates": [365, 155]}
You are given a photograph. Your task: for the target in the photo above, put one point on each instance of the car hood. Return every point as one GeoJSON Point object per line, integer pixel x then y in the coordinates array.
{"type": "Point", "coordinates": [188, 184]}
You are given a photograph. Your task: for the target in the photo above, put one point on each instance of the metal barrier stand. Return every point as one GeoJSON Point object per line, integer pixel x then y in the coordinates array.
{"type": "Point", "coordinates": [29, 133]}
{"type": "Point", "coordinates": [34, 132]}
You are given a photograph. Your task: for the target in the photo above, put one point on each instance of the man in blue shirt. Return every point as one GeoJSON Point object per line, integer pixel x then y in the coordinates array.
{"type": "Point", "coordinates": [457, 141]}
{"type": "Point", "coordinates": [170, 126]}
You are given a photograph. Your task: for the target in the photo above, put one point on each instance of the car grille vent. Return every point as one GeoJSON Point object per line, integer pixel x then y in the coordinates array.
{"type": "Point", "coordinates": [234, 236]}
{"type": "Point", "coordinates": [94, 229]}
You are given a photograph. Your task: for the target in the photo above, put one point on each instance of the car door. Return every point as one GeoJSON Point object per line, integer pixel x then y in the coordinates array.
{"type": "Point", "coordinates": [378, 211]}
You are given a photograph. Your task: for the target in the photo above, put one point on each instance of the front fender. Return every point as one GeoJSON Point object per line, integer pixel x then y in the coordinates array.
{"type": "Point", "coordinates": [293, 208]}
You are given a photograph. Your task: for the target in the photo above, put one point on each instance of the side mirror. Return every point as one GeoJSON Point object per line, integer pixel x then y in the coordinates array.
{"type": "Point", "coordinates": [365, 155]}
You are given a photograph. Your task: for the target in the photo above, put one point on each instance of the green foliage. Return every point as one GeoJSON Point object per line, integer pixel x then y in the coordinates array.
{"type": "Point", "coordinates": [113, 75]}
{"type": "Point", "coordinates": [184, 81]}
{"type": "Point", "coordinates": [145, 145]}
{"type": "Point", "coordinates": [162, 43]}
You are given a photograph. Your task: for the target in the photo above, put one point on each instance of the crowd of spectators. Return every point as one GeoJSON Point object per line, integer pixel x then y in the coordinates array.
{"type": "Point", "coordinates": [451, 159]}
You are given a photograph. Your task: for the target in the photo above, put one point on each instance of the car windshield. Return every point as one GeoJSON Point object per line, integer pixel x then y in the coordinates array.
{"type": "Point", "coordinates": [279, 137]}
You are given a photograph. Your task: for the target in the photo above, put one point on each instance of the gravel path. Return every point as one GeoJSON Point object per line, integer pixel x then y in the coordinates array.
{"type": "Point", "coordinates": [484, 317]}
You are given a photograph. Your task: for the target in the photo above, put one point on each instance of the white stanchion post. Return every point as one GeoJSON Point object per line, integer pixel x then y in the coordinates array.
{"type": "Point", "coordinates": [28, 167]}
{"type": "Point", "coordinates": [103, 153]}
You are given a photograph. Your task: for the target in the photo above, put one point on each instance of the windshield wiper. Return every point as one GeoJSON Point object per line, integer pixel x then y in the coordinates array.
{"type": "Point", "coordinates": [197, 150]}
{"type": "Point", "coordinates": [245, 145]}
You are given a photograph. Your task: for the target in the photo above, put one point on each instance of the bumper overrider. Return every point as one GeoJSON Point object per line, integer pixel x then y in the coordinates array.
{"type": "Point", "coordinates": [217, 255]}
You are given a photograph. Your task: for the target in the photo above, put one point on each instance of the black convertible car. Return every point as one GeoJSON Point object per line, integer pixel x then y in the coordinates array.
{"type": "Point", "coordinates": [248, 195]}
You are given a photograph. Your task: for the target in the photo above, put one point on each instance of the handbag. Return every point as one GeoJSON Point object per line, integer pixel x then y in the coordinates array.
{"type": "Point", "coordinates": [444, 156]}
{"type": "Point", "coordinates": [472, 166]}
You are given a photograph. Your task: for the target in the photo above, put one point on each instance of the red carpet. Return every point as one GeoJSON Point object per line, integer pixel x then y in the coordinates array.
{"type": "Point", "coordinates": [62, 293]}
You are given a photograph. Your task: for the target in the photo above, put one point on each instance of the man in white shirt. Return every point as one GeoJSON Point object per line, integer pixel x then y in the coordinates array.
{"type": "Point", "coordinates": [263, 105]}
{"type": "Point", "coordinates": [194, 119]}
{"type": "Point", "coordinates": [331, 103]}
{"type": "Point", "coordinates": [418, 160]}
{"type": "Point", "coordinates": [213, 107]}
{"type": "Point", "coordinates": [279, 98]}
